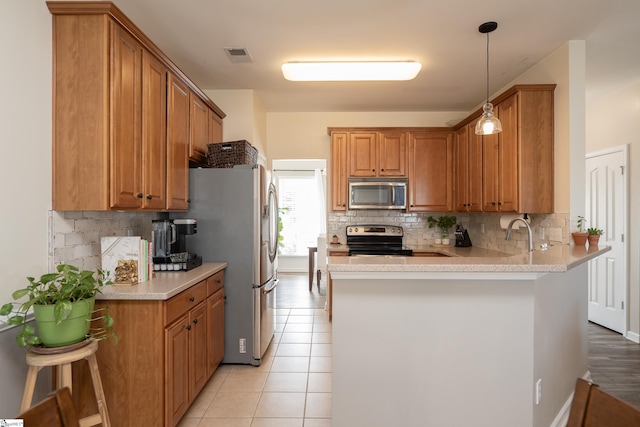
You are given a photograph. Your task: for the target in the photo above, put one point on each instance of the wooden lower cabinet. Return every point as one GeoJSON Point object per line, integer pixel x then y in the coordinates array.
{"type": "Point", "coordinates": [166, 353]}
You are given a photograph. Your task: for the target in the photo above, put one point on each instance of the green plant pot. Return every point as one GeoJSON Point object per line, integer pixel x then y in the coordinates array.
{"type": "Point", "coordinates": [72, 330]}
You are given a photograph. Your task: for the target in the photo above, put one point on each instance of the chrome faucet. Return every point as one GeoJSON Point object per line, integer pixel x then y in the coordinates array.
{"type": "Point", "coordinates": [526, 223]}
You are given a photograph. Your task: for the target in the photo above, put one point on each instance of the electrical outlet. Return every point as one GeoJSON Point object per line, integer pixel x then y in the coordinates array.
{"type": "Point", "coordinates": [538, 391]}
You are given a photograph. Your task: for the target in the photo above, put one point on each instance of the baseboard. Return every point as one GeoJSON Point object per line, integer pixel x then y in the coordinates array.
{"type": "Point", "coordinates": [563, 416]}
{"type": "Point", "coordinates": [632, 336]}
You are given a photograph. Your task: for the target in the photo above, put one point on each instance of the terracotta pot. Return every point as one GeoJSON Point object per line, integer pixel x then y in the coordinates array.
{"type": "Point", "coordinates": [580, 239]}
{"type": "Point", "coordinates": [594, 239]}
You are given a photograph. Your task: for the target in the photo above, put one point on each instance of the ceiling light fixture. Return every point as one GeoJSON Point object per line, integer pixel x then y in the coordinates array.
{"type": "Point", "coordinates": [488, 123]}
{"type": "Point", "coordinates": [350, 70]}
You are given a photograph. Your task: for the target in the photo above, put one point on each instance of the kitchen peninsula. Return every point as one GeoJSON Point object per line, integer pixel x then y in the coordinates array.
{"type": "Point", "coordinates": [457, 341]}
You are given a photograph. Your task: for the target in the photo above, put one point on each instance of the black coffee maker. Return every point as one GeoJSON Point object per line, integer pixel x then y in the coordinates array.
{"type": "Point", "coordinates": [169, 237]}
{"type": "Point", "coordinates": [462, 237]}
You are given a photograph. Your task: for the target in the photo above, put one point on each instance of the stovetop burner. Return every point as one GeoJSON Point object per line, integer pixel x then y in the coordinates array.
{"type": "Point", "coordinates": [376, 240]}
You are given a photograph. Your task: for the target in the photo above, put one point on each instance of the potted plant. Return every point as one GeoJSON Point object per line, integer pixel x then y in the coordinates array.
{"type": "Point", "coordinates": [335, 240]}
{"type": "Point", "coordinates": [594, 235]}
{"type": "Point", "coordinates": [62, 304]}
{"type": "Point", "coordinates": [444, 223]}
{"type": "Point", "coordinates": [580, 236]}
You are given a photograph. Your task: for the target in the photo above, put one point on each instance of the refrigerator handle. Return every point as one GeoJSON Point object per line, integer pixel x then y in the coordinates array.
{"type": "Point", "coordinates": [269, 289]}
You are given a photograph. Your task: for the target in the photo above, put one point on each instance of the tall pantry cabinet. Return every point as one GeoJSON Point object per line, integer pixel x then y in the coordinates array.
{"type": "Point", "coordinates": [113, 146]}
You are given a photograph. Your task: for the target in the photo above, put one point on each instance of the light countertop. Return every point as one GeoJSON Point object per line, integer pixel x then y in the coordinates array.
{"type": "Point", "coordinates": [555, 259]}
{"type": "Point", "coordinates": [163, 286]}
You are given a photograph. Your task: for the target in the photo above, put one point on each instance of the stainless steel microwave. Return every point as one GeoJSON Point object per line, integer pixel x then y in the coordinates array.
{"type": "Point", "coordinates": [377, 193]}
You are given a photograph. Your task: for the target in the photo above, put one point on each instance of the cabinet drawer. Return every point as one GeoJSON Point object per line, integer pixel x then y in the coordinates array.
{"type": "Point", "coordinates": [184, 301]}
{"type": "Point", "coordinates": [215, 283]}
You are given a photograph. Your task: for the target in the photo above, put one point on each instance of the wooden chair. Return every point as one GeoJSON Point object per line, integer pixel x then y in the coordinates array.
{"type": "Point", "coordinates": [55, 411]}
{"type": "Point", "coordinates": [593, 407]}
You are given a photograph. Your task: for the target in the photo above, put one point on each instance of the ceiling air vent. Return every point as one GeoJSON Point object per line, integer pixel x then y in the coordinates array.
{"type": "Point", "coordinates": [238, 54]}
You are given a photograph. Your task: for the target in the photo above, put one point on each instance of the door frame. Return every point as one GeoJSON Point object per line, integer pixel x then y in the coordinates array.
{"type": "Point", "coordinates": [624, 149]}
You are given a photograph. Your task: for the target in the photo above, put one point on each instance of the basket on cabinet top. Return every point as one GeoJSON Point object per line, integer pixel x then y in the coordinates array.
{"type": "Point", "coordinates": [229, 154]}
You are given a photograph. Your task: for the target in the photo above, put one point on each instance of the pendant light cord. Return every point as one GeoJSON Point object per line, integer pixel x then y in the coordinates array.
{"type": "Point", "coordinates": [487, 68]}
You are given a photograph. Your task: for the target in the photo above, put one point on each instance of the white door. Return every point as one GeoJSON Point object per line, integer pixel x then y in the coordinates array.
{"type": "Point", "coordinates": [606, 200]}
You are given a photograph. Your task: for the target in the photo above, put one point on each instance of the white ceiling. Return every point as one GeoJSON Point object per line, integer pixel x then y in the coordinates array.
{"type": "Point", "coordinates": [441, 34]}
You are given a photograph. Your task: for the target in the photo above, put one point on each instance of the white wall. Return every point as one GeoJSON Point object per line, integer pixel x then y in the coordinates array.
{"type": "Point", "coordinates": [613, 120]}
{"type": "Point", "coordinates": [25, 167]}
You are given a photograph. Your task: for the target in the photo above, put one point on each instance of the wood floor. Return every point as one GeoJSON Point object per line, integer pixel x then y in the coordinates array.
{"type": "Point", "coordinates": [614, 362]}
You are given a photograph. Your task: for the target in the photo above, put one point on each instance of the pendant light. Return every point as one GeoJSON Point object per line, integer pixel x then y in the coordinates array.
{"type": "Point", "coordinates": [488, 123]}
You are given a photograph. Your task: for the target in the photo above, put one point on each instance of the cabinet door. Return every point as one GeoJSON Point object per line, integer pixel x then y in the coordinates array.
{"type": "Point", "coordinates": [475, 169]}
{"type": "Point", "coordinates": [215, 334]}
{"type": "Point", "coordinates": [215, 129]}
{"type": "Point", "coordinates": [177, 144]}
{"type": "Point", "coordinates": [508, 174]}
{"type": "Point", "coordinates": [468, 170]}
{"type": "Point", "coordinates": [154, 132]}
{"type": "Point", "coordinates": [363, 158]}
{"type": "Point", "coordinates": [177, 370]}
{"type": "Point", "coordinates": [461, 169]}
{"type": "Point", "coordinates": [198, 361]}
{"type": "Point", "coordinates": [125, 184]}
{"type": "Point", "coordinates": [199, 129]}
{"type": "Point", "coordinates": [339, 171]}
{"type": "Point", "coordinates": [430, 172]}
{"type": "Point", "coordinates": [392, 154]}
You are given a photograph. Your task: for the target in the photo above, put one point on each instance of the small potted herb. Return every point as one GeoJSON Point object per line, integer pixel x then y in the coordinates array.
{"type": "Point", "coordinates": [444, 223]}
{"type": "Point", "coordinates": [594, 235]}
{"type": "Point", "coordinates": [62, 304]}
{"type": "Point", "coordinates": [580, 236]}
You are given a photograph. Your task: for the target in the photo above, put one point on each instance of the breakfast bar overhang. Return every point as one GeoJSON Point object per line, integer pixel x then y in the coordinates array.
{"type": "Point", "coordinates": [459, 341]}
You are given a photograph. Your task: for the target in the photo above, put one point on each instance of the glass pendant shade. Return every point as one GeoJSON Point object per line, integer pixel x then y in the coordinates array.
{"type": "Point", "coordinates": [488, 123]}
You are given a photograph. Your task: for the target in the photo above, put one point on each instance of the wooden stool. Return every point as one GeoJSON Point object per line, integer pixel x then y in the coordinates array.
{"type": "Point", "coordinates": [62, 362]}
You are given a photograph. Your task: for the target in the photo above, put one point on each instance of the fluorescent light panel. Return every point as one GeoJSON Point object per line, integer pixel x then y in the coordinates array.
{"type": "Point", "coordinates": [350, 70]}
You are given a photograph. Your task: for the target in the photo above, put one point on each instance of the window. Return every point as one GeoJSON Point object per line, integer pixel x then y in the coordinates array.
{"type": "Point", "coordinates": [300, 211]}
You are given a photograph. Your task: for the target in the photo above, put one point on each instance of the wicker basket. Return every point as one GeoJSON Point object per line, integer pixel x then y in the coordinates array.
{"type": "Point", "coordinates": [229, 154]}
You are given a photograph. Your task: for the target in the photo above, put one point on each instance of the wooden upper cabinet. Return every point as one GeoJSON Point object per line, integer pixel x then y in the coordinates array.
{"type": "Point", "coordinates": [339, 171]}
{"type": "Point", "coordinates": [430, 171]}
{"type": "Point", "coordinates": [126, 119]}
{"type": "Point", "coordinates": [215, 130]}
{"type": "Point", "coordinates": [518, 162]}
{"type": "Point", "coordinates": [154, 135]}
{"type": "Point", "coordinates": [109, 112]}
{"type": "Point", "coordinates": [177, 144]}
{"type": "Point", "coordinates": [374, 154]}
{"type": "Point", "coordinates": [468, 170]}
{"type": "Point", "coordinates": [199, 129]}
{"type": "Point", "coordinates": [363, 154]}
{"type": "Point", "coordinates": [501, 161]}
{"type": "Point", "coordinates": [392, 154]}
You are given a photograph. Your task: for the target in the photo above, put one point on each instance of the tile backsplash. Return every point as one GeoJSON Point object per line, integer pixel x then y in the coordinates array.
{"type": "Point", "coordinates": [74, 236]}
{"type": "Point", "coordinates": [484, 228]}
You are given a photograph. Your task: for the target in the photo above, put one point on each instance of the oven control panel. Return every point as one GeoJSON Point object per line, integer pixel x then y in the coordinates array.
{"type": "Point", "coordinates": [374, 230]}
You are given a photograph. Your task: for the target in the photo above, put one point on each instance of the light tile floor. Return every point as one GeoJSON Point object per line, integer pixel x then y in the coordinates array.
{"type": "Point", "coordinates": [291, 388]}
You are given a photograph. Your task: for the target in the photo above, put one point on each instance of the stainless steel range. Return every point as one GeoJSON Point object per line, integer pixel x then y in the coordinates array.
{"type": "Point", "coordinates": [376, 240]}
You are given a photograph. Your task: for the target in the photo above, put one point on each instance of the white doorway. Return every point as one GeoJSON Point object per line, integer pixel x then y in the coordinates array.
{"type": "Point", "coordinates": [302, 202]}
{"type": "Point", "coordinates": [606, 208]}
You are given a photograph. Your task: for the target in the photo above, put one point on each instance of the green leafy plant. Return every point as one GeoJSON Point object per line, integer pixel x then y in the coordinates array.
{"type": "Point", "coordinates": [60, 289]}
{"type": "Point", "coordinates": [595, 231]}
{"type": "Point", "coordinates": [581, 223]}
{"type": "Point", "coordinates": [444, 222]}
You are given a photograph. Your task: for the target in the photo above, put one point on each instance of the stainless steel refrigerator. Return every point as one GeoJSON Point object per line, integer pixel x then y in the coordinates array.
{"type": "Point", "coordinates": [237, 214]}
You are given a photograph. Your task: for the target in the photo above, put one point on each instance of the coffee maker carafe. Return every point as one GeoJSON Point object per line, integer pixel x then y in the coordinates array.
{"type": "Point", "coordinates": [163, 236]}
